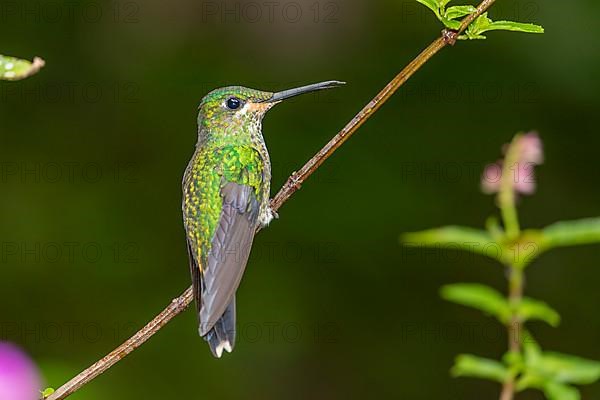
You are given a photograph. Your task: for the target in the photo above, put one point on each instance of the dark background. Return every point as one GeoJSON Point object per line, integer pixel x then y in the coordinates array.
{"type": "Point", "coordinates": [331, 307]}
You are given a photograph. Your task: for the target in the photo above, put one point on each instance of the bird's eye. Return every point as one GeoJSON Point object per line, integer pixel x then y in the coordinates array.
{"type": "Point", "coordinates": [233, 103]}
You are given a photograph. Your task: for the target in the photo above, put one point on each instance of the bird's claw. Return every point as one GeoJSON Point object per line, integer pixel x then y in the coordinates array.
{"type": "Point", "coordinates": [268, 216]}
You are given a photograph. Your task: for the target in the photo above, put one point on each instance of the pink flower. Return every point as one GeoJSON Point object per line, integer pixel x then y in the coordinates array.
{"type": "Point", "coordinates": [532, 149]}
{"type": "Point", "coordinates": [530, 153]}
{"type": "Point", "coordinates": [19, 378]}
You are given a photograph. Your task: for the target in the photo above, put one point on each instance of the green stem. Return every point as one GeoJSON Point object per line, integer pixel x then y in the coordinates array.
{"type": "Point", "coordinates": [506, 197]}
{"type": "Point", "coordinates": [508, 209]}
{"type": "Point", "coordinates": [511, 221]}
{"type": "Point", "coordinates": [515, 326]}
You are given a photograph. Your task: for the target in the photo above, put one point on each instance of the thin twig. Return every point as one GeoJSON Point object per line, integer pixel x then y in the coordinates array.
{"type": "Point", "coordinates": [481, 8]}
{"type": "Point", "coordinates": [448, 37]}
{"type": "Point", "coordinates": [177, 306]}
{"type": "Point", "coordinates": [292, 185]}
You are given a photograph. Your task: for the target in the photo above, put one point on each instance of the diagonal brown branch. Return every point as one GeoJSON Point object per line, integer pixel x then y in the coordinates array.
{"type": "Point", "coordinates": [292, 185]}
{"type": "Point", "coordinates": [481, 8]}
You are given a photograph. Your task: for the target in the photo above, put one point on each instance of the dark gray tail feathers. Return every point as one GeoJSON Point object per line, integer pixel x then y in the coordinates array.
{"type": "Point", "coordinates": [222, 335]}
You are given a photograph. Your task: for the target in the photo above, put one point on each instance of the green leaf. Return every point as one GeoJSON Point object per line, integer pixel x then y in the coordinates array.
{"type": "Point", "coordinates": [478, 26]}
{"type": "Point", "coordinates": [528, 380]}
{"type": "Point", "coordinates": [456, 238]}
{"type": "Point", "coordinates": [531, 355]}
{"type": "Point", "coordinates": [477, 367]}
{"type": "Point", "coordinates": [514, 27]}
{"type": "Point", "coordinates": [438, 7]}
{"type": "Point", "coordinates": [433, 5]}
{"type": "Point", "coordinates": [487, 243]}
{"type": "Point", "coordinates": [448, 235]}
{"type": "Point", "coordinates": [558, 391]}
{"type": "Point", "coordinates": [459, 11]}
{"type": "Point", "coordinates": [449, 23]}
{"type": "Point", "coordinates": [572, 233]}
{"type": "Point", "coordinates": [13, 69]}
{"type": "Point", "coordinates": [531, 348]}
{"type": "Point", "coordinates": [483, 24]}
{"type": "Point", "coordinates": [557, 367]}
{"type": "Point", "coordinates": [531, 309]}
{"type": "Point", "coordinates": [47, 392]}
{"type": "Point", "coordinates": [480, 297]}
{"type": "Point", "coordinates": [568, 369]}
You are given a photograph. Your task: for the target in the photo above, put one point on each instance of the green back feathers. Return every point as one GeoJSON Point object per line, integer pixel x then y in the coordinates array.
{"type": "Point", "coordinates": [202, 201]}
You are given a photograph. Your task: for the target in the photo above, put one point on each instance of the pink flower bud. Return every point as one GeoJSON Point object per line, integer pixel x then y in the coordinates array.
{"type": "Point", "coordinates": [530, 153]}
{"type": "Point", "coordinates": [491, 178]}
{"type": "Point", "coordinates": [532, 149]}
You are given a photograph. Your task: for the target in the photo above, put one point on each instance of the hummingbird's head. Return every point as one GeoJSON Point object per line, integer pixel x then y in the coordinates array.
{"type": "Point", "coordinates": [235, 108]}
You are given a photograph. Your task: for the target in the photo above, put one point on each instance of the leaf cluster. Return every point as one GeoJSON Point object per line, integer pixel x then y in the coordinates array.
{"type": "Point", "coordinates": [452, 16]}
{"type": "Point", "coordinates": [552, 373]}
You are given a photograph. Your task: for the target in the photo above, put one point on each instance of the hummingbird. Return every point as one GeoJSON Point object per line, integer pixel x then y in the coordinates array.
{"type": "Point", "coordinates": [226, 193]}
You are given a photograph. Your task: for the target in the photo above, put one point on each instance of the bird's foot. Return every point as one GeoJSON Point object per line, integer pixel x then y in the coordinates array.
{"type": "Point", "coordinates": [268, 216]}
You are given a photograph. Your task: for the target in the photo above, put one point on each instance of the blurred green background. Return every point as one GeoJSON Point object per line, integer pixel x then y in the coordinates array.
{"type": "Point", "coordinates": [331, 307]}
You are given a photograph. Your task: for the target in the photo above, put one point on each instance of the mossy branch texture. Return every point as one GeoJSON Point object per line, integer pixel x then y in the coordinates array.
{"type": "Point", "coordinates": [454, 30]}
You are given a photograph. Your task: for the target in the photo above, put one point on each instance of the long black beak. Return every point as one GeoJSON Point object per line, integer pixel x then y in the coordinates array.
{"type": "Point", "coordinates": [286, 94]}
